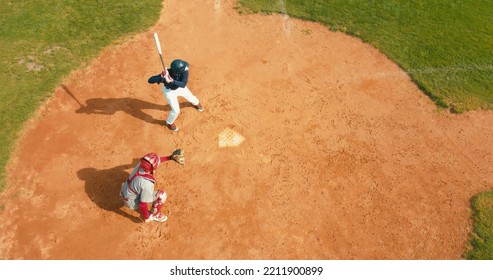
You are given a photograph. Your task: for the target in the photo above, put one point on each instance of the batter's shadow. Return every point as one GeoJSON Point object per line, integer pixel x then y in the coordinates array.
{"type": "Point", "coordinates": [103, 187]}
{"type": "Point", "coordinates": [132, 106]}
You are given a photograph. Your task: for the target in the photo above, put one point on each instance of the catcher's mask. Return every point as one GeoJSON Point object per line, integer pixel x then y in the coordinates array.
{"type": "Point", "coordinates": [150, 162]}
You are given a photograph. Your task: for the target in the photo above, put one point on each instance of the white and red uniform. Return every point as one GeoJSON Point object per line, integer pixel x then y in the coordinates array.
{"type": "Point", "coordinates": [138, 191]}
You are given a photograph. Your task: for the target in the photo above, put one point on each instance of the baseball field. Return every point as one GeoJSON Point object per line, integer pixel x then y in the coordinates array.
{"type": "Point", "coordinates": [313, 144]}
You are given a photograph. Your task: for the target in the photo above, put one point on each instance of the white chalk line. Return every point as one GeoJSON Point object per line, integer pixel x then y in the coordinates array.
{"type": "Point", "coordinates": [285, 16]}
{"type": "Point", "coordinates": [217, 5]}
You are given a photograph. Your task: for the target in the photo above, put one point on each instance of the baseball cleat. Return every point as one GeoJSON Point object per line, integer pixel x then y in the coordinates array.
{"type": "Point", "coordinates": [172, 126]}
{"type": "Point", "coordinates": [159, 217]}
{"type": "Point", "coordinates": [199, 107]}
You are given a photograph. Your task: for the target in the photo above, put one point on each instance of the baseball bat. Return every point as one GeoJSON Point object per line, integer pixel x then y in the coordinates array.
{"type": "Point", "coordinates": [158, 46]}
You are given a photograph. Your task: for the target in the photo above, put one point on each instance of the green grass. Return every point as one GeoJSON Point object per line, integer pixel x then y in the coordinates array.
{"type": "Point", "coordinates": [41, 42]}
{"type": "Point", "coordinates": [444, 45]}
{"type": "Point", "coordinates": [482, 237]}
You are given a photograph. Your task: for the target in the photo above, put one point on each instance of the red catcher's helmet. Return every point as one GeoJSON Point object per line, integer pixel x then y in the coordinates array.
{"type": "Point", "coordinates": [150, 162]}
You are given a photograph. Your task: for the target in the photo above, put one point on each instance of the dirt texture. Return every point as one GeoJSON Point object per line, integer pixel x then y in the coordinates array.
{"type": "Point", "coordinates": [342, 157]}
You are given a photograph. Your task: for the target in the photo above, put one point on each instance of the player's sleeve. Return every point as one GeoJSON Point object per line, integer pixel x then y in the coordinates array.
{"type": "Point", "coordinates": [163, 159]}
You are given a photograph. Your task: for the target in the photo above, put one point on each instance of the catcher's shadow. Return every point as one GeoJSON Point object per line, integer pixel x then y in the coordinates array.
{"type": "Point", "coordinates": [103, 187]}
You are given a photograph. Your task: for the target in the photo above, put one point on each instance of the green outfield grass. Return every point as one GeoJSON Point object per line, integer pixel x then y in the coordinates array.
{"type": "Point", "coordinates": [446, 47]}
{"type": "Point", "coordinates": [42, 41]}
{"type": "Point", "coordinates": [482, 238]}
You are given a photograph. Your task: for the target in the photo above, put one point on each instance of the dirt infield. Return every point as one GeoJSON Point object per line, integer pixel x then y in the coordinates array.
{"type": "Point", "coordinates": [342, 158]}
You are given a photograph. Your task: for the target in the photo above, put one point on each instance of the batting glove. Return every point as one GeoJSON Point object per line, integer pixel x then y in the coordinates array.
{"type": "Point", "coordinates": [166, 76]}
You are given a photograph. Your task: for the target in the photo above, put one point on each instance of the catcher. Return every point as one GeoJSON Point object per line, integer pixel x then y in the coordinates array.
{"type": "Point", "coordinates": [138, 191]}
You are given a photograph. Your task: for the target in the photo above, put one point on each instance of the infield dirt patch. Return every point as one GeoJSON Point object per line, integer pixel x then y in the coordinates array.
{"type": "Point", "coordinates": [342, 156]}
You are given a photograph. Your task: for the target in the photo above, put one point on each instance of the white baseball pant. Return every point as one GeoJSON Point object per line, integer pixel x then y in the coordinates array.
{"type": "Point", "coordinates": [172, 97]}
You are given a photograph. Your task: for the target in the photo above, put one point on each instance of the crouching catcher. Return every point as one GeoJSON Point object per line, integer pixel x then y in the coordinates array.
{"type": "Point", "coordinates": [138, 190]}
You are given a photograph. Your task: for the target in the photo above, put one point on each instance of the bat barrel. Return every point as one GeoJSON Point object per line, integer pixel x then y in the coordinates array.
{"type": "Point", "coordinates": [158, 45]}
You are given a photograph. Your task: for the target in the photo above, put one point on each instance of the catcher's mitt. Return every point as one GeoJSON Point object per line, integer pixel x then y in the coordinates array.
{"type": "Point", "coordinates": [178, 156]}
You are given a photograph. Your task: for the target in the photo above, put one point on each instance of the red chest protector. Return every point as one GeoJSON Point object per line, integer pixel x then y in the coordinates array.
{"type": "Point", "coordinates": [146, 176]}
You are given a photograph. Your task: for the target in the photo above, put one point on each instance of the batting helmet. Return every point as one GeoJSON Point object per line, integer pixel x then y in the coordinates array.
{"type": "Point", "coordinates": [179, 66]}
{"type": "Point", "coordinates": [150, 162]}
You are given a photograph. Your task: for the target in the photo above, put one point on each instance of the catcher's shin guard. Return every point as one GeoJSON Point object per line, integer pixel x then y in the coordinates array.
{"type": "Point", "coordinates": [159, 202]}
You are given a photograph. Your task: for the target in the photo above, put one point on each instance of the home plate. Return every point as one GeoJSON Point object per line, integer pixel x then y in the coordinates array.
{"type": "Point", "coordinates": [230, 138]}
